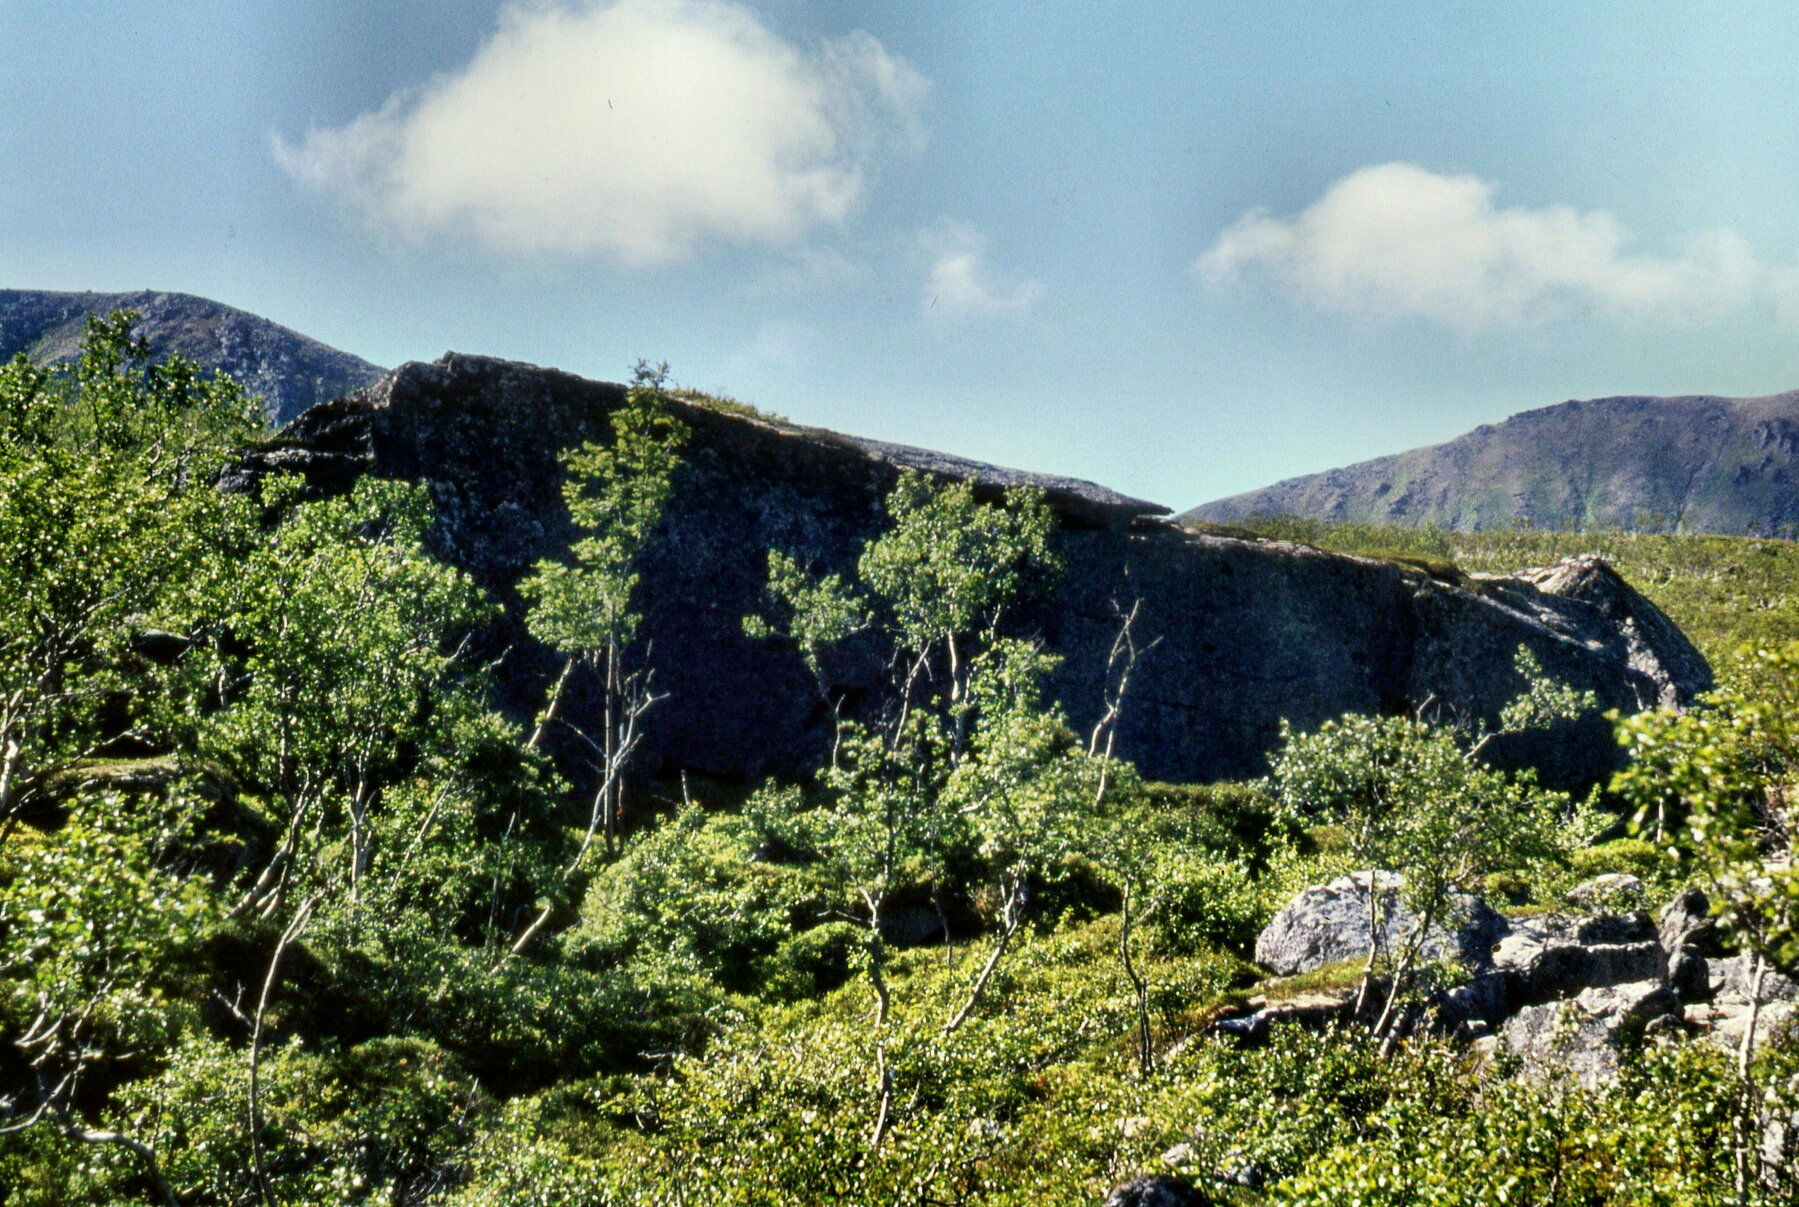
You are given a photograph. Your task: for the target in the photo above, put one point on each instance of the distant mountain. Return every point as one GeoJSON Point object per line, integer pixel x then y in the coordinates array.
{"type": "Point", "coordinates": [289, 371]}
{"type": "Point", "coordinates": [1686, 465]}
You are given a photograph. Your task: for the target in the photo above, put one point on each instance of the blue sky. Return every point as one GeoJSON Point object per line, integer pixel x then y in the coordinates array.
{"type": "Point", "coordinates": [1184, 249]}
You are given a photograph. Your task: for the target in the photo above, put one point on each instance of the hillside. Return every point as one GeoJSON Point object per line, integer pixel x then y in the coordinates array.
{"type": "Point", "coordinates": [289, 371]}
{"type": "Point", "coordinates": [430, 817]}
{"type": "Point", "coordinates": [1696, 464]}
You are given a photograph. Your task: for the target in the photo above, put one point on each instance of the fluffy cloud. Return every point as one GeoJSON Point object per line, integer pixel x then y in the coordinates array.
{"type": "Point", "coordinates": [962, 284]}
{"type": "Point", "coordinates": [1396, 240]}
{"type": "Point", "coordinates": [639, 130]}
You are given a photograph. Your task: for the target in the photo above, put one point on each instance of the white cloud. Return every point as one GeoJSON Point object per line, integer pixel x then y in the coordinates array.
{"type": "Point", "coordinates": [777, 343]}
{"type": "Point", "coordinates": [636, 129]}
{"type": "Point", "coordinates": [810, 270]}
{"type": "Point", "coordinates": [1395, 240]}
{"type": "Point", "coordinates": [962, 284]}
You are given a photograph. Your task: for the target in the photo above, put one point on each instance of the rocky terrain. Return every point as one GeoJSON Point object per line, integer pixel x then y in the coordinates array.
{"type": "Point", "coordinates": [1566, 992]}
{"type": "Point", "coordinates": [287, 370]}
{"type": "Point", "coordinates": [1248, 632]}
{"type": "Point", "coordinates": [1696, 464]}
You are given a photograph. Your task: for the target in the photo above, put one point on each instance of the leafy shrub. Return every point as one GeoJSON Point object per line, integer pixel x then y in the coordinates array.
{"type": "Point", "coordinates": [1204, 901]}
{"type": "Point", "coordinates": [387, 1119]}
{"type": "Point", "coordinates": [1235, 819]}
{"type": "Point", "coordinates": [811, 963]}
{"type": "Point", "coordinates": [1628, 856]}
{"type": "Point", "coordinates": [1526, 1142]}
{"type": "Point", "coordinates": [689, 894]}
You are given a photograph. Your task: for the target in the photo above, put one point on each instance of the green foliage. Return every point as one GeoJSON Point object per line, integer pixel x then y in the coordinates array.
{"type": "Point", "coordinates": [778, 1109]}
{"type": "Point", "coordinates": [615, 494]}
{"type": "Point", "coordinates": [346, 621]}
{"type": "Point", "coordinates": [585, 608]}
{"type": "Point", "coordinates": [106, 504]}
{"type": "Point", "coordinates": [247, 746]}
{"type": "Point", "coordinates": [1185, 874]}
{"type": "Point", "coordinates": [948, 566]}
{"type": "Point", "coordinates": [1659, 1137]}
{"type": "Point", "coordinates": [1238, 819]}
{"type": "Point", "coordinates": [99, 936]}
{"type": "Point", "coordinates": [384, 1120]}
{"type": "Point", "coordinates": [1415, 799]}
{"type": "Point", "coordinates": [1627, 856]}
{"type": "Point", "coordinates": [689, 897]}
{"type": "Point", "coordinates": [968, 750]}
{"type": "Point", "coordinates": [1715, 781]}
{"type": "Point", "coordinates": [1411, 799]}
{"type": "Point", "coordinates": [814, 613]}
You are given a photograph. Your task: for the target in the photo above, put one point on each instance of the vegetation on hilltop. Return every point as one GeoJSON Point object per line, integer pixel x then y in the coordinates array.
{"type": "Point", "coordinates": [1729, 594]}
{"type": "Point", "coordinates": [291, 913]}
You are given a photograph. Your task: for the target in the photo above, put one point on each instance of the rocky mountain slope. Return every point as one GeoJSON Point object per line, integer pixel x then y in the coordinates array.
{"type": "Point", "coordinates": [289, 371]}
{"type": "Point", "coordinates": [1683, 465]}
{"type": "Point", "coordinates": [1250, 631]}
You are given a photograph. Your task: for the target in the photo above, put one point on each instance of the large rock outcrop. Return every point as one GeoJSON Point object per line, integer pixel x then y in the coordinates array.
{"type": "Point", "coordinates": [1250, 631]}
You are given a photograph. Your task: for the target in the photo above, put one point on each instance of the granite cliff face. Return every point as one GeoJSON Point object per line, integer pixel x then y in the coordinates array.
{"type": "Point", "coordinates": [287, 370]}
{"type": "Point", "coordinates": [1684, 465]}
{"type": "Point", "coordinates": [1251, 631]}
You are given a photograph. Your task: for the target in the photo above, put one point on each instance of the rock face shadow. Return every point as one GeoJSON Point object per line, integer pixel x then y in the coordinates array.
{"type": "Point", "coordinates": [1250, 631]}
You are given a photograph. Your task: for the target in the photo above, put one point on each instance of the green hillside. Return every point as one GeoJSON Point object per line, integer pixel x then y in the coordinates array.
{"type": "Point", "coordinates": [293, 911]}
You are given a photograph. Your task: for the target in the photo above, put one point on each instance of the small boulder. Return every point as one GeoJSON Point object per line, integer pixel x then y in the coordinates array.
{"type": "Point", "coordinates": [1329, 923]}
{"type": "Point", "coordinates": [1690, 937]}
{"type": "Point", "coordinates": [1158, 1190]}
{"type": "Point", "coordinates": [1584, 1035]}
{"type": "Point", "coordinates": [1614, 892]}
{"type": "Point", "coordinates": [1739, 978]}
{"type": "Point", "coordinates": [1725, 1017]}
{"type": "Point", "coordinates": [1556, 956]}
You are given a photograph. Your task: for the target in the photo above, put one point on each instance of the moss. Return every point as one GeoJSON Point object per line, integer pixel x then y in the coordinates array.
{"type": "Point", "coordinates": [1631, 856]}
{"type": "Point", "coordinates": [1341, 975]}
{"type": "Point", "coordinates": [724, 404]}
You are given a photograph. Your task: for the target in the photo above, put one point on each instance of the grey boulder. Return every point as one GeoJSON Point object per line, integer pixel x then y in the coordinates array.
{"type": "Point", "coordinates": [1585, 1035]}
{"type": "Point", "coordinates": [1690, 938]}
{"type": "Point", "coordinates": [1329, 923]}
{"type": "Point", "coordinates": [1558, 956]}
{"type": "Point", "coordinates": [1158, 1190]}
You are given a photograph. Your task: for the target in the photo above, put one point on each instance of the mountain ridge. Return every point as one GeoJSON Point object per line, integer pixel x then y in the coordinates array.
{"type": "Point", "coordinates": [288, 370]}
{"type": "Point", "coordinates": [1694, 463]}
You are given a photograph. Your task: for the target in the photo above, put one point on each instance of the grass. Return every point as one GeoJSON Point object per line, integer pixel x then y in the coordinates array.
{"type": "Point", "coordinates": [724, 404]}
{"type": "Point", "coordinates": [1344, 974]}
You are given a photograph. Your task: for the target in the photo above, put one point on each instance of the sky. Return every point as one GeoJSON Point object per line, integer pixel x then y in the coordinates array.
{"type": "Point", "coordinates": [1181, 248]}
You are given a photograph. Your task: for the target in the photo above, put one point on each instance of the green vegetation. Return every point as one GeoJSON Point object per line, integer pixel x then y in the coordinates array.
{"type": "Point", "coordinates": [291, 913]}
{"type": "Point", "coordinates": [1727, 593]}
{"type": "Point", "coordinates": [1414, 799]}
